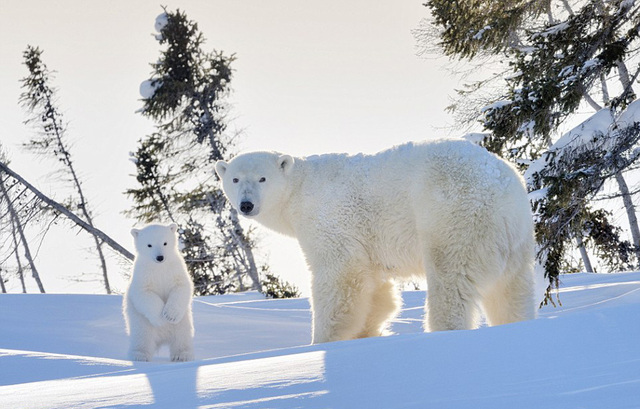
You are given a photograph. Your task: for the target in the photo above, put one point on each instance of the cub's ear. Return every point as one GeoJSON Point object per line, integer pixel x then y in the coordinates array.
{"type": "Point", "coordinates": [134, 232]}
{"type": "Point", "coordinates": [173, 227]}
{"type": "Point", "coordinates": [221, 168]}
{"type": "Point", "coordinates": [285, 163]}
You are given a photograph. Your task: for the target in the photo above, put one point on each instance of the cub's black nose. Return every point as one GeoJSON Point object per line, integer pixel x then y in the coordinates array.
{"type": "Point", "coordinates": [160, 258]}
{"type": "Point", "coordinates": [246, 207]}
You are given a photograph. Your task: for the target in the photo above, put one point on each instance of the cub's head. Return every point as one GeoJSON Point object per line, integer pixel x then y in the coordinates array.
{"type": "Point", "coordinates": [156, 242]}
{"type": "Point", "coordinates": [254, 182]}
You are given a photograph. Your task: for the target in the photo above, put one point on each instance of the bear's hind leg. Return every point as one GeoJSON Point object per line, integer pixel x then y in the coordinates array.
{"type": "Point", "coordinates": [511, 299]}
{"type": "Point", "coordinates": [181, 340]}
{"type": "Point", "coordinates": [143, 341]}
{"type": "Point", "coordinates": [385, 305]}
{"type": "Point", "coordinates": [452, 295]}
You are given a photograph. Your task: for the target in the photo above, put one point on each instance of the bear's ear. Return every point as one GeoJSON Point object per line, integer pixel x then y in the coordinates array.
{"type": "Point", "coordinates": [285, 163]}
{"type": "Point", "coordinates": [221, 168]}
{"type": "Point", "coordinates": [134, 232]}
{"type": "Point", "coordinates": [173, 227]}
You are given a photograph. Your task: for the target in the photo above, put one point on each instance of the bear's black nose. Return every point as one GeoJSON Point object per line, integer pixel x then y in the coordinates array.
{"type": "Point", "coordinates": [160, 258]}
{"type": "Point", "coordinates": [246, 207]}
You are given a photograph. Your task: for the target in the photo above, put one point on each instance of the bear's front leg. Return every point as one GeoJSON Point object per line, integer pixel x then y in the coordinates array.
{"type": "Point", "coordinates": [150, 305]}
{"type": "Point", "coordinates": [340, 303]}
{"type": "Point", "coordinates": [177, 304]}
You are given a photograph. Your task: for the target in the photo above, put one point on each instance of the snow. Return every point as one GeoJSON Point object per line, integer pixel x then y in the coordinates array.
{"type": "Point", "coordinates": [148, 88]}
{"type": "Point", "coordinates": [630, 116]}
{"type": "Point", "coordinates": [476, 137]}
{"type": "Point", "coordinates": [553, 30]}
{"type": "Point", "coordinates": [603, 122]}
{"type": "Point", "coordinates": [68, 351]}
{"type": "Point", "coordinates": [496, 105]}
{"type": "Point", "coordinates": [480, 33]}
{"type": "Point", "coordinates": [627, 4]}
{"type": "Point", "coordinates": [596, 125]}
{"type": "Point", "coordinates": [589, 64]}
{"type": "Point", "coordinates": [161, 22]}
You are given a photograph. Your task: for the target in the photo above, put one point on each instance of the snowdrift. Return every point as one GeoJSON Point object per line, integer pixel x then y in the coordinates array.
{"type": "Point", "coordinates": [68, 351]}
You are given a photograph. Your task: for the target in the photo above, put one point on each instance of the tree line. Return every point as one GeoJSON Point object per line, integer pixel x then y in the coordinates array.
{"type": "Point", "coordinates": [185, 97]}
{"type": "Point", "coordinates": [549, 85]}
{"type": "Point", "coordinates": [556, 96]}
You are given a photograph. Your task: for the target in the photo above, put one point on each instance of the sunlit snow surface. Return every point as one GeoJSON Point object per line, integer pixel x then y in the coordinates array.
{"type": "Point", "coordinates": [68, 351]}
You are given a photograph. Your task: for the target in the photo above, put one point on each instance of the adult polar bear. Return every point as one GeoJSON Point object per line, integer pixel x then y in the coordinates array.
{"type": "Point", "coordinates": [448, 209]}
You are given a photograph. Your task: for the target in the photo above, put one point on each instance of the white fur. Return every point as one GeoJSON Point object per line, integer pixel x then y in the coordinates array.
{"type": "Point", "coordinates": [448, 209]}
{"type": "Point", "coordinates": [157, 304]}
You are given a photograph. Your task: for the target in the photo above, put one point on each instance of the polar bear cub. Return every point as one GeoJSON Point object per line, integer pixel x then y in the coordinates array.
{"type": "Point", "coordinates": [447, 210]}
{"type": "Point", "coordinates": [157, 304]}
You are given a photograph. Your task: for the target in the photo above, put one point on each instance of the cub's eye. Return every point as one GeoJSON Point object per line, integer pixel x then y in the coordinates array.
{"type": "Point", "coordinates": [235, 180]}
{"type": "Point", "coordinates": [262, 180]}
{"type": "Point", "coordinates": [149, 245]}
{"type": "Point", "coordinates": [165, 243]}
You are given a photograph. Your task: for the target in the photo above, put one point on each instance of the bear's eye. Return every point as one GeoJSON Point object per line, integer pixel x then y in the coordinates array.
{"type": "Point", "coordinates": [235, 180]}
{"type": "Point", "coordinates": [149, 245]}
{"type": "Point", "coordinates": [262, 180]}
{"type": "Point", "coordinates": [165, 243]}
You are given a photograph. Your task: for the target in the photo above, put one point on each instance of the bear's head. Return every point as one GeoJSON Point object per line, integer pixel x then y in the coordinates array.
{"type": "Point", "coordinates": [255, 182]}
{"type": "Point", "coordinates": [156, 242]}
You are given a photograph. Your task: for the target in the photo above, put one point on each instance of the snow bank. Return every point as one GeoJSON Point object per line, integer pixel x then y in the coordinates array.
{"type": "Point", "coordinates": [583, 354]}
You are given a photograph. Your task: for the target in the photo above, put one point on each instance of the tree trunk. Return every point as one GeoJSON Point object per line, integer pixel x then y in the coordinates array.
{"type": "Point", "coordinates": [60, 208]}
{"type": "Point", "coordinates": [631, 214]}
{"type": "Point", "coordinates": [583, 253]}
{"type": "Point", "coordinates": [14, 239]}
{"type": "Point", "coordinates": [2, 287]}
{"type": "Point", "coordinates": [238, 232]}
{"type": "Point", "coordinates": [17, 226]}
{"type": "Point", "coordinates": [16, 246]}
{"type": "Point", "coordinates": [83, 202]}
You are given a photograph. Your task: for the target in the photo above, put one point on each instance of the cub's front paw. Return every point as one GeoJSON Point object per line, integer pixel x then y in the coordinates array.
{"type": "Point", "coordinates": [158, 321]}
{"type": "Point", "coordinates": [172, 314]}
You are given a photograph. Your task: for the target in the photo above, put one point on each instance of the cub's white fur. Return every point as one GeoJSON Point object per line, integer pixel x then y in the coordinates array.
{"type": "Point", "coordinates": [448, 210]}
{"type": "Point", "coordinates": [157, 304]}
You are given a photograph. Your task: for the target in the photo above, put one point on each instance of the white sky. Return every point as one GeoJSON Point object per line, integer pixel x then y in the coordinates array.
{"type": "Point", "coordinates": [310, 77]}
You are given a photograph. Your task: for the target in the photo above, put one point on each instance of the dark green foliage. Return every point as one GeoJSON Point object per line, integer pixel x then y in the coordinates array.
{"type": "Point", "coordinates": [38, 98]}
{"type": "Point", "coordinates": [274, 287]}
{"type": "Point", "coordinates": [471, 26]}
{"type": "Point", "coordinates": [572, 178]}
{"type": "Point", "coordinates": [152, 198]}
{"type": "Point", "coordinates": [175, 164]}
{"type": "Point", "coordinates": [190, 85]}
{"type": "Point", "coordinates": [617, 253]}
{"type": "Point", "coordinates": [553, 72]}
{"type": "Point", "coordinates": [557, 58]}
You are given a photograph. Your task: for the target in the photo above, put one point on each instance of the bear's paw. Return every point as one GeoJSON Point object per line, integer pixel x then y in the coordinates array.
{"type": "Point", "coordinates": [172, 314]}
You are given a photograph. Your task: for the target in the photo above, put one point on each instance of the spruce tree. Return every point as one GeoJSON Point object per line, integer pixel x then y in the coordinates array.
{"type": "Point", "coordinates": [557, 58]}
{"type": "Point", "coordinates": [186, 97]}
{"type": "Point", "coordinates": [18, 209]}
{"type": "Point", "coordinates": [39, 99]}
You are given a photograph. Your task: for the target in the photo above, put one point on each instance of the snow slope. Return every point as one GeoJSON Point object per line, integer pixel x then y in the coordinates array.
{"type": "Point", "coordinates": [68, 351]}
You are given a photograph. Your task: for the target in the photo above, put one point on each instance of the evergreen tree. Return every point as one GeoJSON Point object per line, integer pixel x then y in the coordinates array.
{"type": "Point", "coordinates": [17, 209]}
{"type": "Point", "coordinates": [185, 96]}
{"type": "Point", "coordinates": [557, 57]}
{"type": "Point", "coordinates": [274, 287]}
{"type": "Point", "coordinates": [38, 99]}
